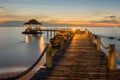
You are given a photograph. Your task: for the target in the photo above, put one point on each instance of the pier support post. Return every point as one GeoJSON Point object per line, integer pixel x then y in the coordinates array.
{"type": "Point", "coordinates": [49, 56]}
{"type": "Point", "coordinates": [51, 33]}
{"type": "Point", "coordinates": [111, 60]}
{"type": "Point", "coordinates": [98, 44]}
{"type": "Point", "coordinates": [54, 32]}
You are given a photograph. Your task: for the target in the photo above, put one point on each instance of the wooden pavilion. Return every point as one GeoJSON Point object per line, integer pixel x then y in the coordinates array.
{"type": "Point", "coordinates": [32, 27]}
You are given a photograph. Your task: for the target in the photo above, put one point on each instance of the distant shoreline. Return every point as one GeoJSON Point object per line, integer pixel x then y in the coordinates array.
{"type": "Point", "coordinates": [64, 26]}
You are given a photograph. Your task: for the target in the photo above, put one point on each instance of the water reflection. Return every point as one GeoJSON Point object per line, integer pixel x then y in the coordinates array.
{"type": "Point", "coordinates": [42, 44]}
{"type": "Point", "coordinates": [27, 39]}
{"type": "Point", "coordinates": [23, 55]}
{"type": "Point", "coordinates": [38, 39]}
{"type": "Point", "coordinates": [39, 42]}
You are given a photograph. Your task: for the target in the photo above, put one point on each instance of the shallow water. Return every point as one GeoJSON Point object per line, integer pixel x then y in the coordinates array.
{"type": "Point", "coordinates": [19, 51]}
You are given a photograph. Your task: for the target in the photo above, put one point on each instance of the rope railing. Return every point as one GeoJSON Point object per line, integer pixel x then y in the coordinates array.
{"type": "Point", "coordinates": [111, 49]}
{"type": "Point", "coordinates": [103, 45]}
{"type": "Point", "coordinates": [117, 53]}
{"type": "Point", "coordinates": [28, 70]}
{"type": "Point", "coordinates": [96, 38]}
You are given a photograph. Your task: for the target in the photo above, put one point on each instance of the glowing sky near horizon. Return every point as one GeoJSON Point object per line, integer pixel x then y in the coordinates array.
{"type": "Point", "coordinates": [100, 11]}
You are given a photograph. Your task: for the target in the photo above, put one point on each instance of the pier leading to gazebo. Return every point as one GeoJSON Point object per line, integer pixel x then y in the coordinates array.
{"type": "Point", "coordinates": [35, 27]}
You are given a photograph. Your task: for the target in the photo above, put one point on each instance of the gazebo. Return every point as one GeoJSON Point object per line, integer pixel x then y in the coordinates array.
{"type": "Point", "coordinates": [32, 27]}
{"type": "Point", "coordinates": [32, 24]}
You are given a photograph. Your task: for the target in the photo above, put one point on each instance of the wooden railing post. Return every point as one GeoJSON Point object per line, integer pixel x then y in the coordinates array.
{"type": "Point", "coordinates": [90, 34]}
{"type": "Point", "coordinates": [98, 44]}
{"type": "Point", "coordinates": [111, 60]}
{"type": "Point", "coordinates": [49, 56]}
{"type": "Point", "coordinates": [86, 32]}
{"type": "Point", "coordinates": [93, 38]}
{"type": "Point", "coordinates": [68, 38]}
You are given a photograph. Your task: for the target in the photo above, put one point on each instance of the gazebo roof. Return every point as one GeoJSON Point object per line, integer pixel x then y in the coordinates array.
{"type": "Point", "coordinates": [33, 22]}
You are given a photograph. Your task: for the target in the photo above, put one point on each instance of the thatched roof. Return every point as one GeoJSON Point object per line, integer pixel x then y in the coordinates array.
{"type": "Point", "coordinates": [32, 22]}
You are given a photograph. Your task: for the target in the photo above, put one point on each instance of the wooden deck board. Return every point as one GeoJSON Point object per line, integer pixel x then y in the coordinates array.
{"type": "Point", "coordinates": [79, 61]}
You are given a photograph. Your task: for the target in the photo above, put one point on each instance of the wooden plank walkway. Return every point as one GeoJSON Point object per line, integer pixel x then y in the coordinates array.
{"type": "Point", "coordinates": [79, 61]}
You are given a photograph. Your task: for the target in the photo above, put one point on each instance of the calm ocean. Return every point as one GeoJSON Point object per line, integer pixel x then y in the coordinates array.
{"type": "Point", "coordinates": [19, 51]}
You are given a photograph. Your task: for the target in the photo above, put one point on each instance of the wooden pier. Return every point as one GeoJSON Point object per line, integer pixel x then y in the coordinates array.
{"type": "Point", "coordinates": [80, 60]}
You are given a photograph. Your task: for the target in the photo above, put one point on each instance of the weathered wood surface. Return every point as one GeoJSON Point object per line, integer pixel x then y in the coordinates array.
{"type": "Point", "coordinates": [79, 61]}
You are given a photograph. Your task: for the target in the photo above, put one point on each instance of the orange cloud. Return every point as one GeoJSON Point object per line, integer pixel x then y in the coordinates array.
{"type": "Point", "coordinates": [85, 23]}
{"type": "Point", "coordinates": [2, 20]}
{"type": "Point", "coordinates": [101, 23]}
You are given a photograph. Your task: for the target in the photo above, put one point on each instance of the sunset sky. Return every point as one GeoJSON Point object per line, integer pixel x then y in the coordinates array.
{"type": "Point", "coordinates": [75, 12]}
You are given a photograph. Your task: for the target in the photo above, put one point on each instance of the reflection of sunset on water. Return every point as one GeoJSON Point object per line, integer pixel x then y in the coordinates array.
{"type": "Point", "coordinates": [41, 44]}
{"type": "Point", "coordinates": [27, 39]}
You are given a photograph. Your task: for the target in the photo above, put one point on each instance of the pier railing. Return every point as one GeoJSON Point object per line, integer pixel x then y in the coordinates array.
{"type": "Point", "coordinates": [49, 53]}
{"type": "Point", "coordinates": [111, 49]}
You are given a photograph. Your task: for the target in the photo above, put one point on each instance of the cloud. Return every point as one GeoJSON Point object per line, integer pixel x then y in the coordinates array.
{"type": "Point", "coordinates": [58, 23]}
{"type": "Point", "coordinates": [111, 17]}
{"type": "Point", "coordinates": [1, 7]}
{"type": "Point", "coordinates": [106, 21]}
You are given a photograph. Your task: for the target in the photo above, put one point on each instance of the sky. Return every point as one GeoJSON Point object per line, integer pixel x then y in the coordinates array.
{"type": "Point", "coordinates": [73, 12]}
